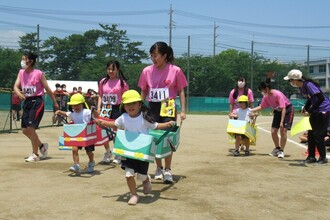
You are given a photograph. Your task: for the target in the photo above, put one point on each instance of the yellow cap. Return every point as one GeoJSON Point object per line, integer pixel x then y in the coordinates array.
{"type": "Point", "coordinates": [77, 99]}
{"type": "Point", "coordinates": [243, 98]}
{"type": "Point", "coordinates": [131, 96]}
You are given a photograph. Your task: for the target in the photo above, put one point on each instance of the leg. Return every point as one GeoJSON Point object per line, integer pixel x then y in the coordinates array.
{"type": "Point", "coordinates": [167, 173]}
{"type": "Point", "coordinates": [75, 155]}
{"type": "Point", "coordinates": [275, 138]}
{"type": "Point", "coordinates": [30, 132]}
{"type": "Point", "coordinates": [283, 138]}
{"type": "Point", "coordinates": [132, 188]}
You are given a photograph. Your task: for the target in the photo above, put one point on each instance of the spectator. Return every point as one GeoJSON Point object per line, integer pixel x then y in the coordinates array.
{"type": "Point", "coordinates": [16, 107]}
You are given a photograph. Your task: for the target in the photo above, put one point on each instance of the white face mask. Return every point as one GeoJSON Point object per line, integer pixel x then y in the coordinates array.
{"type": "Point", "coordinates": [293, 85]}
{"type": "Point", "coordinates": [23, 64]}
{"type": "Point", "coordinates": [240, 84]}
{"type": "Point", "coordinates": [263, 93]}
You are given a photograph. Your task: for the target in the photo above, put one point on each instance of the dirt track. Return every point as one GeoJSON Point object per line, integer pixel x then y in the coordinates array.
{"type": "Point", "coordinates": [209, 182]}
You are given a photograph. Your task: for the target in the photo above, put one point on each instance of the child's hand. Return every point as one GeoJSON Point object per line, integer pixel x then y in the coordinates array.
{"type": "Point", "coordinates": [170, 124]}
{"type": "Point", "coordinates": [57, 112]}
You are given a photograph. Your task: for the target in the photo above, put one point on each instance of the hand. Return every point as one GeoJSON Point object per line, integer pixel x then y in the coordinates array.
{"type": "Point", "coordinates": [171, 124]}
{"type": "Point", "coordinates": [183, 116]}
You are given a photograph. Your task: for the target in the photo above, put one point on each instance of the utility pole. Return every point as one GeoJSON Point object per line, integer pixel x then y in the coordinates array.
{"type": "Point", "coordinates": [251, 68]}
{"type": "Point", "coordinates": [188, 75]}
{"type": "Point", "coordinates": [38, 48]}
{"type": "Point", "coordinates": [214, 38]}
{"type": "Point", "coordinates": [308, 58]}
{"type": "Point", "coordinates": [171, 26]}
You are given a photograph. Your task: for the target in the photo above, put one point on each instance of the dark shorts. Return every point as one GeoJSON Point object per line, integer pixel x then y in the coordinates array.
{"type": "Point", "coordinates": [33, 110]}
{"type": "Point", "coordinates": [88, 148]}
{"type": "Point", "coordinates": [138, 166]}
{"type": "Point", "coordinates": [115, 112]}
{"type": "Point", "coordinates": [288, 119]}
{"type": "Point", "coordinates": [16, 107]}
{"type": "Point", "coordinates": [155, 113]}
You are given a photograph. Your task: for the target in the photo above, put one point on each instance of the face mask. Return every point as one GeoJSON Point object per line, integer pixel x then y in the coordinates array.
{"type": "Point", "coordinates": [263, 93]}
{"type": "Point", "coordinates": [58, 88]}
{"type": "Point", "coordinates": [240, 84]}
{"type": "Point", "coordinates": [23, 64]}
{"type": "Point", "coordinates": [293, 85]}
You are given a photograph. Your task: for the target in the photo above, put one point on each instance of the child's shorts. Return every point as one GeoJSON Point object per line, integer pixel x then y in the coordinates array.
{"type": "Point", "coordinates": [88, 148]}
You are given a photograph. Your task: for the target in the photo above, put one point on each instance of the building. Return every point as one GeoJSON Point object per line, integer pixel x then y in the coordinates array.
{"type": "Point", "coordinates": [320, 71]}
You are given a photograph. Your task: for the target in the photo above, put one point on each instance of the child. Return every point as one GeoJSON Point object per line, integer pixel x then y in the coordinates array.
{"type": "Point", "coordinates": [135, 118]}
{"type": "Point", "coordinates": [242, 113]}
{"type": "Point", "coordinates": [79, 115]}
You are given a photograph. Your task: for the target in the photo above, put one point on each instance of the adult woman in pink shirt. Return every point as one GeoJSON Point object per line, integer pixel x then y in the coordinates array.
{"type": "Point", "coordinates": [111, 89]}
{"type": "Point", "coordinates": [29, 86]}
{"type": "Point", "coordinates": [283, 115]}
{"type": "Point", "coordinates": [161, 82]}
{"type": "Point", "coordinates": [240, 89]}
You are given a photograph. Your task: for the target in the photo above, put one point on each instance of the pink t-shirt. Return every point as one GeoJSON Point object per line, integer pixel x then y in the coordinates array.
{"type": "Point", "coordinates": [240, 92]}
{"type": "Point", "coordinates": [276, 100]}
{"type": "Point", "coordinates": [162, 84]}
{"type": "Point", "coordinates": [111, 92]}
{"type": "Point", "coordinates": [31, 83]}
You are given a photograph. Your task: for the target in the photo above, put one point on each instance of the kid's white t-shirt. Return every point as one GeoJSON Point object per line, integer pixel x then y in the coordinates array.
{"type": "Point", "coordinates": [137, 124]}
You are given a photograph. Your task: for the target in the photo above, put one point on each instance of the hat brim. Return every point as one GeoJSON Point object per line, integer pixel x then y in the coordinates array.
{"type": "Point", "coordinates": [286, 78]}
{"type": "Point", "coordinates": [132, 100]}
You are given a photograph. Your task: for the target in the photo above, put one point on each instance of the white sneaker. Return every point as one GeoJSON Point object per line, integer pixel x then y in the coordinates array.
{"type": "Point", "coordinates": [44, 151]}
{"type": "Point", "coordinates": [107, 157]}
{"type": "Point", "coordinates": [274, 153]}
{"type": "Point", "coordinates": [159, 174]}
{"type": "Point", "coordinates": [280, 154]}
{"type": "Point", "coordinates": [32, 158]}
{"type": "Point", "coordinates": [168, 176]}
{"type": "Point", "coordinates": [90, 167]}
{"type": "Point", "coordinates": [117, 160]}
{"type": "Point", "coordinates": [75, 168]}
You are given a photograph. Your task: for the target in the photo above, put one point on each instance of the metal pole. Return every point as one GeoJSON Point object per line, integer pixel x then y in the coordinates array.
{"type": "Point", "coordinates": [38, 48]}
{"type": "Point", "coordinates": [188, 75]}
{"type": "Point", "coordinates": [171, 26]}
{"type": "Point", "coordinates": [252, 44]}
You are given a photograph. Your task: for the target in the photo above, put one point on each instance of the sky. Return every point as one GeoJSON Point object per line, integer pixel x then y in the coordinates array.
{"type": "Point", "coordinates": [280, 30]}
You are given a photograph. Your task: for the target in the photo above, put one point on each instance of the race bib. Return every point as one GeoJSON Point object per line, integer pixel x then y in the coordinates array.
{"type": "Point", "coordinates": [109, 99]}
{"type": "Point", "coordinates": [158, 94]}
{"type": "Point", "coordinates": [167, 108]}
{"type": "Point", "coordinates": [29, 91]}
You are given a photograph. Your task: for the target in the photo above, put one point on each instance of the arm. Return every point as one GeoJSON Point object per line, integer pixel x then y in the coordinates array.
{"type": "Point", "coordinates": [282, 117]}
{"type": "Point", "coordinates": [143, 95]}
{"type": "Point", "coordinates": [103, 123]}
{"type": "Point", "coordinates": [166, 125]}
{"type": "Point", "coordinates": [59, 112]}
{"type": "Point", "coordinates": [258, 108]}
{"type": "Point", "coordinates": [17, 89]}
{"type": "Point", "coordinates": [183, 104]}
{"type": "Point", "coordinates": [49, 91]}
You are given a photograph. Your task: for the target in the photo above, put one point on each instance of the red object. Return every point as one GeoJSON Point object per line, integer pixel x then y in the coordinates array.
{"type": "Point", "coordinates": [80, 135]}
{"type": "Point", "coordinates": [317, 154]}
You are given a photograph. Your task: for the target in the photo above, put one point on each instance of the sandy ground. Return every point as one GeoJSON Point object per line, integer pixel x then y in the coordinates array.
{"type": "Point", "coordinates": [209, 182]}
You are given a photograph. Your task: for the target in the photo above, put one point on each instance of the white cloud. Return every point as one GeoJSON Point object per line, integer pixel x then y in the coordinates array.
{"type": "Point", "coordinates": [10, 38]}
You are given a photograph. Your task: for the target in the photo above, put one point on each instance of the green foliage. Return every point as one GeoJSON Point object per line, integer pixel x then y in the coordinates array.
{"type": "Point", "coordinates": [9, 66]}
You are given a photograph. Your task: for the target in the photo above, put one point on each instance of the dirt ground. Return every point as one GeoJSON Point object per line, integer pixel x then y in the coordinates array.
{"type": "Point", "coordinates": [209, 182]}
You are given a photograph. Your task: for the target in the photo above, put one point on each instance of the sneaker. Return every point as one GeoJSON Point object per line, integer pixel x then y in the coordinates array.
{"type": "Point", "coordinates": [32, 158]}
{"type": "Point", "coordinates": [117, 159]}
{"type": "Point", "coordinates": [310, 160]}
{"type": "Point", "coordinates": [280, 154]}
{"type": "Point", "coordinates": [274, 153]}
{"type": "Point", "coordinates": [159, 174]}
{"type": "Point", "coordinates": [44, 151]}
{"type": "Point", "coordinates": [133, 200]}
{"type": "Point", "coordinates": [75, 168]}
{"type": "Point", "coordinates": [147, 186]}
{"type": "Point", "coordinates": [107, 156]}
{"type": "Point", "coordinates": [247, 153]}
{"type": "Point", "coordinates": [322, 161]}
{"type": "Point", "coordinates": [236, 153]}
{"type": "Point", "coordinates": [90, 167]}
{"type": "Point", "coordinates": [168, 176]}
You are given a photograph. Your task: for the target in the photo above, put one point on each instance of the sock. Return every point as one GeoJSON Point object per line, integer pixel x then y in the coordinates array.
{"type": "Point", "coordinates": [41, 146]}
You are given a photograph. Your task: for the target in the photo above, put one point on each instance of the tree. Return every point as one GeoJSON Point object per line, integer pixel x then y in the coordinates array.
{"type": "Point", "coordinates": [29, 42]}
{"type": "Point", "coordinates": [9, 66]}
